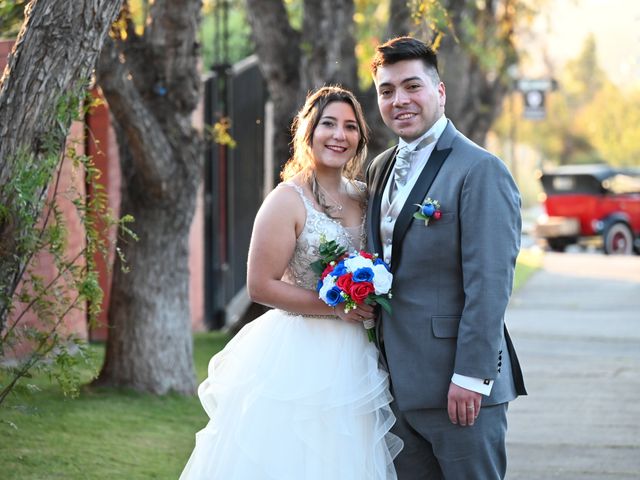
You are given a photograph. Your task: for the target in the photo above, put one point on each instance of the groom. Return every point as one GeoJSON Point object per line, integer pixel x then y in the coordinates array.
{"type": "Point", "coordinates": [453, 367]}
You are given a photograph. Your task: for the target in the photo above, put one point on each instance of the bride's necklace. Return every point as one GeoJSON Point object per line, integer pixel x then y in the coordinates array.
{"type": "Point", "coordinates": [335, 204]}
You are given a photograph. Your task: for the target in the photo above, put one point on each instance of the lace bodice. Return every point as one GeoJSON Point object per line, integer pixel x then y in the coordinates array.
{"type": "Point", "coordinates": [317, 223]}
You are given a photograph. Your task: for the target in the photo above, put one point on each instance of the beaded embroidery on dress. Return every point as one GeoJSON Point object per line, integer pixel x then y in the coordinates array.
{"type": "Point", "coordinates": [306, 251]}
{"type": "Point", "coordinates": [295, 397]}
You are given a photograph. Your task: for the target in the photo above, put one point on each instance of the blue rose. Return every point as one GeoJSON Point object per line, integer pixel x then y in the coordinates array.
{"type": "Point", "coordinates": [319, 286]}
{"type": "Point", "coordinates": [428, 209]}
{"type": "Point", "coordinates": [334, 296]}
{"type": "Point", "coordinates": [339, 270]}
{"type": "Point", "coordinates": [364, 274]}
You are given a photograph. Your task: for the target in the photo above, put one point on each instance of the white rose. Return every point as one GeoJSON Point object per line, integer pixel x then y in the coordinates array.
{"type": "Point", "coordinates": [353, 264]}
{"type": "Point", "coordinates": [382, 279]}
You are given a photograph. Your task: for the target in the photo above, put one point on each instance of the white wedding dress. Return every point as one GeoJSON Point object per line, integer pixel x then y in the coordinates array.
{"type": "Point", "coordinates": [295, 397]}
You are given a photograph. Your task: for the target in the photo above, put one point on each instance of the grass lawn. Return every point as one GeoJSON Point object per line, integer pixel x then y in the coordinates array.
{"type": "Point", "coordinates": [103, 434]}
{"type": "Point", "coordinates": [106, 434]}
{"type": "Point", "coordinates": [528, 262]}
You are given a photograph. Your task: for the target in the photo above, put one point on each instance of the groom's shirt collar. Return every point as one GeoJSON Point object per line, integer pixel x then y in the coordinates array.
{"type": "Point", "coordinates": [436, 129]}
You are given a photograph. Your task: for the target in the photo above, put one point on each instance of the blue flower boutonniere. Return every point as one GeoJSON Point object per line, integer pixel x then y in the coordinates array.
{"type": "Point", "coordinates": [430, 209]}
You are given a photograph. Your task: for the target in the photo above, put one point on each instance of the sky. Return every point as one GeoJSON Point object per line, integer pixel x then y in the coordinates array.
{"type": "Point", "coordinates": [562, 30]}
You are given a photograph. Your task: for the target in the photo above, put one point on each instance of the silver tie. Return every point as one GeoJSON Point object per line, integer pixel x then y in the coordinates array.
{"type": "Point", "coordinates": [403, 164]}
{"type": "Point", "coordinates": [401, 168]}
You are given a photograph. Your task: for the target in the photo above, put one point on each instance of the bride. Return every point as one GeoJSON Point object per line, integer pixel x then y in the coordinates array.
{"type": "Point", "coordinates": [297, 393]}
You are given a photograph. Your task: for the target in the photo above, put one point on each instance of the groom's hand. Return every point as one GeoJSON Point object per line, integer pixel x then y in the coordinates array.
{"type": "Point", "coordinates": [463, 405]}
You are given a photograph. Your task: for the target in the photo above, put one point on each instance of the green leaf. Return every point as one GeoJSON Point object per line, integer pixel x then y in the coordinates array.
{"type": "Point", "coordinates": [384, 303]}
{"type": "Point", "coordinates": [329, 251]}
{"type": "Point", "coordinates": [318, 266]}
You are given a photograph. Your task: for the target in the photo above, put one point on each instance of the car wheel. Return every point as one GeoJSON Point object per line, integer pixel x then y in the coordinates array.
{"type": "Point", "coordinates": [618, 239]}
{"type": "Point", "coordinates": [557, 244]}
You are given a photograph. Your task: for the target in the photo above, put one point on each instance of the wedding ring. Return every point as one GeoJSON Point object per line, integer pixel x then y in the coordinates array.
{"type": "Point", "coordinates": [470, 407]}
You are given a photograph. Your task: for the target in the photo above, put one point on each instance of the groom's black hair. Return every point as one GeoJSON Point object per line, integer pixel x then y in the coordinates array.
{"type": "Point", "coordinates": [404, 48]}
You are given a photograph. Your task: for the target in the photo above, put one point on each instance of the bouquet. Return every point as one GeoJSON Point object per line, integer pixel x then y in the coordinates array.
{"type": "Point", "coordinates": [352, 279]}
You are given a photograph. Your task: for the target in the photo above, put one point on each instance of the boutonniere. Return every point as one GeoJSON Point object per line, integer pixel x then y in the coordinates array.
{"type": "Point", "coordinates": [430, 209]}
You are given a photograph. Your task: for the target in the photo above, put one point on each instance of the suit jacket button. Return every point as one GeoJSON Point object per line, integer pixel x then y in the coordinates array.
{"type": "Point", "coordinates": [499, 357]}
{"type": "Point", "coordinates": [499, 364]}
{"type": "Point", "coordinates": [498, 370]}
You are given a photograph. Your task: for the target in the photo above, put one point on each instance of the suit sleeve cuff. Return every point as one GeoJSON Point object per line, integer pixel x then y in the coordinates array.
{"type": "Point", "coordinates": [478, 385]}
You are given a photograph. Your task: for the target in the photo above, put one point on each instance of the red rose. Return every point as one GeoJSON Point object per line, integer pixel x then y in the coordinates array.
{"type": "Point", "coordinates": [327, 271]}
{"type": "Point", "coordinates": [360, 291]}
{"type": "Point", "coordinates": [345, 281]}
{"type": "Point", "coordinates": [366, 255]}
{"type": "Point", "coordinates": [437, 214]}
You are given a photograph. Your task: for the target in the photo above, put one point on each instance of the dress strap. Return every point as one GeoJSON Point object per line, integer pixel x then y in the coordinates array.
{"type": "Point", "coordinates": [307, 203]}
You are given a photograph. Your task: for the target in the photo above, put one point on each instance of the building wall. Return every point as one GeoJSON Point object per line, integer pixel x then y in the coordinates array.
{"type": "Point", "coordinates": [42, 264]}
{"type": "Point", "coordinates": [101, 145]}
{"type": "Point", "coordinates": [196, 245]}
{"type": "Point", "coordinates": [5, 50]}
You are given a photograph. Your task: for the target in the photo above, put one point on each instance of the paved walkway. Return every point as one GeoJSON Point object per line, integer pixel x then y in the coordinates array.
{"type": "Point", "coordinates": [576, 327]}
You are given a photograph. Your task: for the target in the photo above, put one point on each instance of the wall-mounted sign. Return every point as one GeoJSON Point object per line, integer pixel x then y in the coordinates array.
{"type": "Point", "coordinates": [533, 91]}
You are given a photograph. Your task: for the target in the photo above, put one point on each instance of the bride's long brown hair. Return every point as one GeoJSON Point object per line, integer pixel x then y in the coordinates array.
{"type": "Point", "coordinates": [305, 124]}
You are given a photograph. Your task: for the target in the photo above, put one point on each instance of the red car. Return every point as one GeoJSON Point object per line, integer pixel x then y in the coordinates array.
{"type": "Point", "coordinates": [591, 200]}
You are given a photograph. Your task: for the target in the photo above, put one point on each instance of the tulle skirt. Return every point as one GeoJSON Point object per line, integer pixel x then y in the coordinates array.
{"type": "Point", "coordinates": [299, 398]}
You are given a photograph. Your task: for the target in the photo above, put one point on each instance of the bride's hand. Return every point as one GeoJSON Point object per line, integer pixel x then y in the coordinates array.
{"type": "Point", "coordinates": [357, 315]}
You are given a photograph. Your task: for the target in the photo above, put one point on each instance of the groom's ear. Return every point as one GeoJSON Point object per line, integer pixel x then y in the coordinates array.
{"type": "Point", "coordinates": [442, 95]}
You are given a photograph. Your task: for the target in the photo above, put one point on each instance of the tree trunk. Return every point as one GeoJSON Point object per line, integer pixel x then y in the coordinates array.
{"type": "Point", "coordinates": [399, 19]}
{"type": "Point", "coordinates": [54, 56]}
{"type": "Point", "coordinates": [152, 85]}
{"type": "Point", "coordinates": [149, 346]}
{"type": "Point", "coordinates": [473, 63]}
{"type": "Point", "coordinates": [278, 50]}
{"type": "Point", "coordinates": [329, 44]}
{"type": "Point", "coordinates": [294, 63]}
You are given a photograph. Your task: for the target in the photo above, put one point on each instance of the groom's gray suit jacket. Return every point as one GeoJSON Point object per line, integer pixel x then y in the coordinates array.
{"type": "Point", "coordinates": [452, 278]}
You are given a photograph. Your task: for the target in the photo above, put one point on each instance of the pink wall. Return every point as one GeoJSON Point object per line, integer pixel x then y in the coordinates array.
{"type": "Point", "coordinates": [5, 49]}
{"type": "Point", "coordinates": [102, 147]}
{"type": "Point", "coordinates": [196, 266]}
{"type": "Point", "coordinates": [42, 264]}
{"type": "Point", "coordinates": [75, 321]}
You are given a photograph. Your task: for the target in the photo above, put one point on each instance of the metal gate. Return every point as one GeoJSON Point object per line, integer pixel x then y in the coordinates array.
{"type": "Point", "coordinates": [234, 186]}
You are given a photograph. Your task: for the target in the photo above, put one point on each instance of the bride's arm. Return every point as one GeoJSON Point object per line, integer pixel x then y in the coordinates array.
{"type": "Point", "coordinates": [278, 223]}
